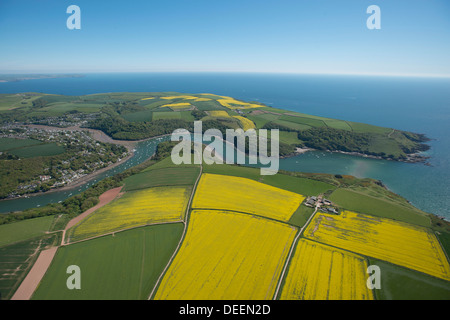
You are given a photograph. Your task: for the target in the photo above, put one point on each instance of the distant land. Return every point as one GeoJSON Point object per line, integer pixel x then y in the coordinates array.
{"type": "Point", "coordinates": [40, 158]}
{"type": "Point", "coordinates": [22, 77]}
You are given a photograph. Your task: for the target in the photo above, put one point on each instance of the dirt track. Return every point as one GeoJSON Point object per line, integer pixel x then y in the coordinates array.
{"type": "Point", "coordinates": [104, 199]}
{"type": "Point", "coordinates": [37, 272]}
{"type": "Point", "coordinates": [35, 275]}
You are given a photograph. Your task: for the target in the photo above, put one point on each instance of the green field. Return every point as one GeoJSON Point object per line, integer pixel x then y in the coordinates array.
{"type": "Point", "coordinates": [301, 216]}
{"type": "Point", "coordinates": [12, 143]}
{"type": "Point", "coordinates": [398, 283]}
{"type": "Point", "coordinates": [338, 124]}
{"type": "Point", "coordinates": [166, 115]}
{"type": "Point", "coordinates": [290, 138]}
{"type": "Point", "coordinates": [444, 239]}
{"type": "Point", "coordinates": [209, 105]}
{"type": "Point", "coordinates": [233, 170]}
{"type": "Point", "coordinates": [362, 127]}
{"type": "Point", "coordinates": [120, 267]}
{"type": "Point", "coordinates": [15, 262]}
{"type": "Point", "coordinates": [308, 121]}
{"type": "Point", "coordinates": [303, 186]}
{"type": "Point", "coordinates": [23, 230]}
{"type": "Point", "coordinates": [379, 207]}
{"type": "Point", "coordinates": [139, 116]}
{"type": "Point", "coordinates": [41, 150]}
{"type": "Point", "coordinates": [29, 148]}
{"type": "Point", "coordinates": [63, 107]}
{"type": "Point", "coordinates": [162, 177]}
{"type": "Point", "coordinates": [13, 101]}
{"type": "Point", "coordinates": [292, 125]}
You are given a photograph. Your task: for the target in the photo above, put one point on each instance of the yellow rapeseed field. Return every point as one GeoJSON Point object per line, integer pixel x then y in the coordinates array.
{"type": "Point", "coordinates": [227, 255]}
{"type": "Point", "coordinates": [218, 113]}
{"type": "Point", "coordinates": [135, 208]}
{"type": "Point", "coordinates": [396, 242]}
{"type": "Point", "coordinates": [235, 104]}
{"type": "Point", "coordinates": [320, 272]}
{"type": "Point", "coordinates": [216, 191]}
{"type": "Point", "coordinates": [202, 99]}
{"type": "Point", "coordinates": [179, 97]}
{"type": "Point", "coordinates": [148, 98]}
{"type": "Point", "coordinates": [245, 123]}
{"type": "Point", "coordinates": [181, 105]}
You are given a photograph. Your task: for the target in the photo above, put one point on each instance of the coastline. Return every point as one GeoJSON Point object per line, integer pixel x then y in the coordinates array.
{"type": "Point", "coordinates": [411, 158]}
{"type": "Point", "coordinates": [24, 77]}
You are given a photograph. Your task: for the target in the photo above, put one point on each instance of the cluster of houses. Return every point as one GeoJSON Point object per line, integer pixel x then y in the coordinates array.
{"type": "Point", "coordinates": [324, 205]}
{"type": "Point", "coordinates": [67, 120]}
{"type": "Point", "coordinates": [62, 174]}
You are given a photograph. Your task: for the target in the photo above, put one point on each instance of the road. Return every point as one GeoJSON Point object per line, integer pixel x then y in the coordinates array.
{"type": "Point", "coordinates": [294, 243]}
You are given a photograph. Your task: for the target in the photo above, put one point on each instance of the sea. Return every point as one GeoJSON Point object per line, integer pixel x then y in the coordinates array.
{"type": "Point", "coordinates": [414, 104]}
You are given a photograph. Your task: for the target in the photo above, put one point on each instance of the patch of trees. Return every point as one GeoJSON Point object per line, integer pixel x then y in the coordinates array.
{"type": "Point", "coordinates": [198, 114]}
{"type": "Point", "coordinates": [416, 137]}
{"type": "Point", "coordinates": [40, 103]}
{"type": "Point", "coordinates": [126, 107]}
{"type": "Point", "coordinates": [118, 128]}
{"type": "Point", "coordinates": [324, 138]}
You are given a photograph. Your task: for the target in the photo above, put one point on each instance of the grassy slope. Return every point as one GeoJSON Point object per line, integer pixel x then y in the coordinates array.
{"type": "Point", "coordinates": [378, 206]}
{"type": "Point", "coordinates": [23, 230]}
{"type": "Point", "coordinates": [12, 143]}
{"type": "Point", "coordinates": [29, 148]}
{"type": "Point", "coordinates": [16, 260]}
{"type": "Point", "coordinates": [398, 283]}
{"type": "Point", "coordinates": [162, 177]}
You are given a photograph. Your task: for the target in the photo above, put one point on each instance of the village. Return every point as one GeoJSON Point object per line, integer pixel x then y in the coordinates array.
{"type": "Point", "coordinates": [83, 156]}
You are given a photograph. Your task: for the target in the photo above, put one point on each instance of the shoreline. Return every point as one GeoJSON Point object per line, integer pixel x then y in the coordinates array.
{"type": "Point", "coordinates": [411, 158]}
{"type": "Point", "coordinates": [73, 185]}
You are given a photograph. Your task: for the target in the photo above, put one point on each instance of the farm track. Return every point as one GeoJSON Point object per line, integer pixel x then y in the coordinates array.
{"type": "Point", "coordinates": [288, 259]}
{"type": "Point", "coordinates": [104, 199]}
{"type": "Point", "coordinates": [112, 233]}
{"type": "Point", "coordinates": [37, 272]}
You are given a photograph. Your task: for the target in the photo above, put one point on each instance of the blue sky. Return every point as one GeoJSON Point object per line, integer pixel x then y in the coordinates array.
{"type": "Point", "coordinates": [295, 36]}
